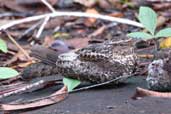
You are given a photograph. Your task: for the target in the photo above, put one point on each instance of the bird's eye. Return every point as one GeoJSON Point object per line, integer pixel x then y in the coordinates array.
{"type": "Point", "coordinates": [152, 64]}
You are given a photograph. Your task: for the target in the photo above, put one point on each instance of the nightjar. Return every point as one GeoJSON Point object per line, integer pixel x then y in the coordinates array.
{"type": "Point", "coordinates": [159, 77]}
{"type": "Point", "coordinates": [96, 63]}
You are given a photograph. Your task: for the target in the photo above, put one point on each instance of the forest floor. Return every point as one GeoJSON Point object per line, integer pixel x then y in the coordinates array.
{"type": "Point", "coordinates": [78, 32]}
{"type": "Point", "coordinates": [104, 100]}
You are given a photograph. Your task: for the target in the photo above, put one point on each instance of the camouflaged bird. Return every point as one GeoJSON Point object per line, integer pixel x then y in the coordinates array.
{"type": "Point", "coordinates": [159, 75]}
{"type": "Point", "coordinates": [96, 63]}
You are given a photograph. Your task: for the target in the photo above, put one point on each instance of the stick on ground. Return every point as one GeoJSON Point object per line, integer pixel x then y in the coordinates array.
{"type": "Point", "coordinates": [76, 14]}
{"type": "Point", "coordinates": [53, 98]}
{"type": "Point", "coordinates": [140, 92]}
{"type": "Point", "coordinates": [12, 39]}
{"type": "Point", "coordinates": [48, 5]}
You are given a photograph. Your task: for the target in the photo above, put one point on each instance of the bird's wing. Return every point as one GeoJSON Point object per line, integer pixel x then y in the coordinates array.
{"type": "Point", "coordinates": [95, 52]}
{"type": "Point", "coordinates": [44, 54]}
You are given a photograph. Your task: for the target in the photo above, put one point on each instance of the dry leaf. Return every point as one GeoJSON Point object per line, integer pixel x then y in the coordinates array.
{"type": "Point", "coordinates": [140, 92]}
{"type": "Point", "coordinates": [165, 43]}
{"type": "Point", "coordinates": [90, 21]}
{"type": "Point", "coordinates": [104, 4]}
{"type": "Point", "coordinates": [116, 14]}
{"type": "Point", "coordinates": [98, 31]}
{"type": "Point", "coordinates": [87, 3]}
{"type": "Point", "coordinates": [161, 20]}
{"type": "Point", "coordinates": [54, 98]}
{"type": "Point", "coordinates": [78, 42]}
{"type": "Point", "coordinates": [23, 65]}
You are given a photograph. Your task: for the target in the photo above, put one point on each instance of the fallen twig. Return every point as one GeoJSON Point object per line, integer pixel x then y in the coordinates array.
{"type": "Point", "coordinates": [140, 92]}
{"type": "Point", "coordinates": [147, 56]}
{"type": "Point", "coordinates": [54, 98]}
{"type": "Point", "coordinates": [7, 88]}
{"type": "Point", "coordinates": [27, 87]}
{"type": "Point", "coordinates": [77, 14]}
{"type": "Point", "coordinates": [42, 26]}
{"type": "Point", "coordinates": [121, 41]}
{"type": "Point", "coordinates": [100, 84]}
{"type": "Point", "coordinates": [48, 5]}
{"type": "Point", "coordinates": [12, 39]}
{"type": "Point", "coordinates": [24, 89]}
{"type": "Point", "coordinates": [10, 80]}
{"type": "Point", "coordinates": [30, 30]}
{"type": "Point", "coordinates": [18, 14]}
{"type": "Point", "coordinates": [46, 18]}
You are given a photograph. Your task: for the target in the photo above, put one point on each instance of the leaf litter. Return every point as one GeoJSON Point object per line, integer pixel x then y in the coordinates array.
{"type": "Point", "coordinates": [79, 32]}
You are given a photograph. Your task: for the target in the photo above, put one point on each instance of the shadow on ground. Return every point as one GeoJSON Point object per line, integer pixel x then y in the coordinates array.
{"type": "Point", "coordinates": [107, 100]}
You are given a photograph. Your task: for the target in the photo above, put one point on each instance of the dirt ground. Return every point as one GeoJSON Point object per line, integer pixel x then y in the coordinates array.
{"type": "Point", "coordinates": [105, 100]}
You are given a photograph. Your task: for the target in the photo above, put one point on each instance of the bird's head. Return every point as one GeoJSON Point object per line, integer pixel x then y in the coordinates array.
{"type": "Point", "coordinates": [155, 71]}
{"type": "Point", "coordinates": [156, 66]}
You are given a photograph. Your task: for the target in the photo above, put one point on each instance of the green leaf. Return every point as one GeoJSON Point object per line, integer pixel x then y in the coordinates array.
{"type": "Point", "coordinates": [6, 72]}
{"type": "Point", "coordinates": [148, 18]}
{"type": "Point", "coordinates": [142, 35]}
{"type": "Point", "coordinates": [70, 83]}
{"type": "Point", "coordinates": [3, 46]}
{"type": "Point", "coordinates": [164, 33]}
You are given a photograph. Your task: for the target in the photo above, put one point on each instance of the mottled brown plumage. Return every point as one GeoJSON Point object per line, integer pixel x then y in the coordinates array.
{"type": "Point", "coordinates": [159, 75]}
{"type": "Point", "coordinates": [95, 63]}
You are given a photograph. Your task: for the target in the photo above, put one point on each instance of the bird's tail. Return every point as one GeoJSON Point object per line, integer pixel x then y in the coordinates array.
{"type": "Point", "coordinates": [46, 55]}
{"type": "Point", "coordinates": [46, 67]}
